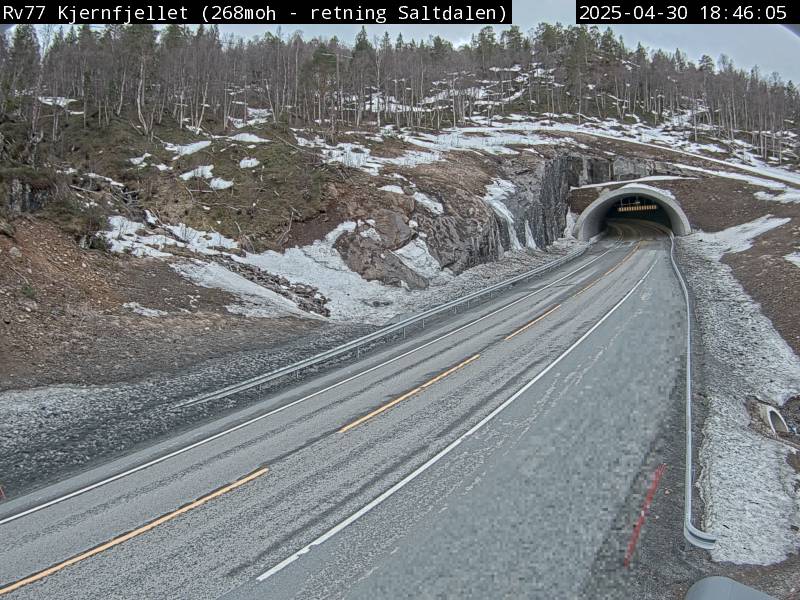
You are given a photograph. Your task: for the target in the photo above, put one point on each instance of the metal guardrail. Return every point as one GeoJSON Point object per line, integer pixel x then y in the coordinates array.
{"type": "Point", "coordinates": [400, 326]}
{"type": "Point", "coordinates": [695, 536]}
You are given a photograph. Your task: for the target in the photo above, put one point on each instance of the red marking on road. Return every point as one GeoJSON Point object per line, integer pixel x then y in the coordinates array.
{"type": "Point", "coordinates": [637, 529]}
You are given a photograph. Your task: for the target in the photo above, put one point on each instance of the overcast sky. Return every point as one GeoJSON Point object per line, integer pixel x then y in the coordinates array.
{"type": "Point", "coordinates": [771, 47]}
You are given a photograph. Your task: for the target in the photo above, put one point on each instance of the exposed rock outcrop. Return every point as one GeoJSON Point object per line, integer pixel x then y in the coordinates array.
{"type": "Point", "coordinates": [21, 193]}
{"type": "Point", "coordinates": [539, 202]}
{"type": "Point", "coordinates": [374, 261]}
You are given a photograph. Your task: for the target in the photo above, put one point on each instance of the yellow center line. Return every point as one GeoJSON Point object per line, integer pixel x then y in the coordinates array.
{"type": "Point", "coordinates": [132, 534]}
{"type": "Point", "coordinates": [611, 270]}
{"type": "Point", "coordinates": [532, 323]}
{"type": "Point", "coordinates": [407, 395]}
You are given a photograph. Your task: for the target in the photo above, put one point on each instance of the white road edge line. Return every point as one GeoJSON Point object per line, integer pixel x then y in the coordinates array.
{"type": "Point", "coordinates": [249, 422]}
{"type": "Point", "coordinates": [436, 458]}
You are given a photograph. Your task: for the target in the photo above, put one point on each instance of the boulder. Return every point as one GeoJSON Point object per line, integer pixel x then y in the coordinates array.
{"type": "Point", "coordinates": [393, 228]}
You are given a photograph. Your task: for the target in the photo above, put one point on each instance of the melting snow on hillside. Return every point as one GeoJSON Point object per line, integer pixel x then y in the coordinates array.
{"type": "Point", "coordinates": [739, 237]}
{"type": "Point", "coordinates": [495, 193]}
{"type": "Point", "coordinates": [187, 149]}
{"type": "Point", "coordinates": [249, 163]}
{"type": "Point", "coordinates": [433, 206]}
{"type": "Point", "coordinates": [131, 237]}
{"type": "Point", "coordinates": [255, 300]}
{"type": "Point", "coordinates": [793, 258]}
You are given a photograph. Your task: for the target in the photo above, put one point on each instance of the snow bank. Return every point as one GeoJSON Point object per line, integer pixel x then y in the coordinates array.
{"type": "Point", "coordinates": [530, 242]}
{"type": "Point", "coordinates": [570, 225]}
{"type": "Point", "coordinates": [752, 180]}
{"type": "Point", "coordinates": [320, 264]}
{"type": "Point", "coordinates": [59, 101]}
{"type": "Point", "coordinates": [106, 179]}
{"type": "Point", "coordinates": [395, 189]}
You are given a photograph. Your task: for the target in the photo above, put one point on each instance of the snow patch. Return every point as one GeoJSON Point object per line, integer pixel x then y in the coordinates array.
{"type": "Point", "coordinates": [248, 138]}
{"type": "Point", "coordinates": [530, 241]}
{"type": "Point", "coordinates": [249, 163]}
{"type": "Point", "coordinates": [201, 172]}
{"type": "Point", "coordinates": [144, 311]}
{"type": "Point", "coordinates": [429, 203]}
{"type": "Point", "coordinates": [793, 258]}
{"type": "Point", "coordinates": [739, 237]}
{"type": "Point", "coordinates": [217, 183]}
{"type": "Point", "coordinates": [59, 101]}
{"type": "Point", "coordinates": [787, 197]}
{"type": "Point", "coordinates": [138, 160]}
{"type": "Point", "coordinates": [416, 256]}
{"type": "Point", "coordinates": [186, 149]}
{"type": "Point", "coordinates": [255, 300]}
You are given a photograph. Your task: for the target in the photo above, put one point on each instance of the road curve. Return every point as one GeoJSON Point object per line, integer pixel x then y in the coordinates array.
{"type": "Point", "coordinates": [485, 456]}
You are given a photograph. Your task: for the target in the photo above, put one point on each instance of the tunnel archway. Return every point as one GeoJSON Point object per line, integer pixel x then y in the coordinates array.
{"type": "Point", "coordinates": [637, 201]}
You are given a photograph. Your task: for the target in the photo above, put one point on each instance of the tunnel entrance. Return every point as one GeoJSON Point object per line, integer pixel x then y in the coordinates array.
{"type": "Point", "coordinates": [639, 202]}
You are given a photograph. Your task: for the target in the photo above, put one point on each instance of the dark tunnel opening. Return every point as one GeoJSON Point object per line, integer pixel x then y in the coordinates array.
{"type": "Point", "coordinates": [639, 208]}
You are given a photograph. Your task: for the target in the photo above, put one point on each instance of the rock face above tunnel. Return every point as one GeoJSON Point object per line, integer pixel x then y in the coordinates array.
{"type": "Point", "coordinates": [586, 170]}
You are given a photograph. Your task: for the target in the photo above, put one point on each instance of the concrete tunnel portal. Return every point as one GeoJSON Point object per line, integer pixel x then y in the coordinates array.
{"type": "Point", "coordinates": [631, 202]}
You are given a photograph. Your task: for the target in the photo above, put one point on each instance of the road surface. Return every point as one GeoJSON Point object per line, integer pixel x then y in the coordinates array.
{"type": "Point", "coordinates": [485, 456]}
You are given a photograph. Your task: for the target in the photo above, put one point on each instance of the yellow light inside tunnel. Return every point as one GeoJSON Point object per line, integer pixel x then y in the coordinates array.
{"type": "Point", "coordinates": [636, 207]}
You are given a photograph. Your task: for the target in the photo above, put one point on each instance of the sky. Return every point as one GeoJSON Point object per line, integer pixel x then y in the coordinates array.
{"type": "Point", "coordinates": [771, 47]}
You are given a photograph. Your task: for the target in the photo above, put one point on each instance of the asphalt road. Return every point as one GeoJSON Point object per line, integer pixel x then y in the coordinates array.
{"type": "Point", "coordinates": [484, 457]}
